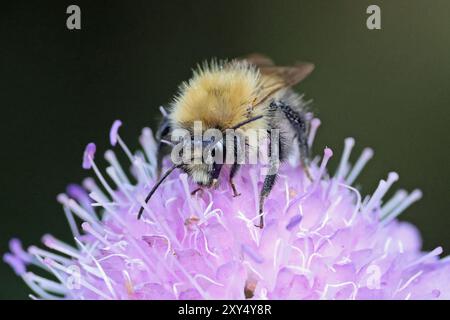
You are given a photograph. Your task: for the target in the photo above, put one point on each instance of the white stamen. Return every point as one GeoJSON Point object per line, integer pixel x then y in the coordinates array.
{"type": "Point", "coordinates": [348, 146]}
{"type": "Point", "coordinates": [390, 205]}
{"type": "Point", "coordinates": [91, 270]}
{"type": "Point", "coordinates": [401, 248]}
{"type": "Point", "coordinates": [111, 204]}
{"type": "Point", "coordinates": [403, 287]}
{"type": "Point", "coordinates": [156, 260]}
{"type": "Point", "coordinates": [365, 156]}
{"type": "Point", "coordinates": [128, 282]}
{"type": "Point", "coordinates": [301, 254]}
{"type": "Point", "coordinates": [327, 154]}
{"type": "Point", "coordinates": [90, 185]}
{"type": "Point", "coordinates": [287, 194]}
{"type": "Point", "coordinates": [315, 124]}
{"type": "Point", "coordinates": [47, 284]}
{"type": "Point", "coordinates": [110, 156]}
{"type": "Point", "coordinates": [149, 145]}
{"type": "Point", "coordinates": [114, 177]}
{"type": "Point", "coordinates": [103, 181]}
{"type": "Point", "coordinates": [107, 207]}
{"type": "Point", "coordinates": [311, 257]}
{"type": "Point", "coordinates": [343, 164]}
{"type": "Point", "coordinates": [83, 214]}
{"type": "Point", "coordinates": [208, 279]}
{"type": "Point", "coordinates": [70, 219]}
{"type": "Point", "coordinates": [387, 245]}
{"type": "Point", "coordinates": [326, 217]}
{"type": "Point", "coordinates": [125, 148]}
{"type": "Point", "coordinates": [205, 239]}
{"type": "Point", "coordinates": [250, 224]}
{"type": "Point", "coordinates": [88, 228]}
{"type": "Point", "coordinates": [105, 278]}
{"type": "Point", "coordinates": [141, 173]}
{"type": "Point", "coordinates": [208, 208]}
{"type": "Point", "coordinates": [193, 205]}
{"type": "Point", "coordinates": [276, 253]}
{"type": "Point", "coordinates": [44, 265]}
{"type": "Point", "coordinates": [169, 243]}
{"type": "Point", "coordinates": [413, 197]}
{"type": "Point", "coordinates": [357, 205]}
{"type": "Point", "coordinates": [249, 265]}
{"type": "Point", "coordinates": [263, 294]}
{"type": "Point", "coordinates": [62, 247]}
{"type": "Point", "coordinates": [436, 252]}
{"type": "Point", "coordinates": [301, 270]}
{"type": "Point", "coordinates": [37, 289]}
{"type": "Point", "coordinates": [379, 193]}
{"type": "Point", "coordinates": [328, 286]}
{"type": "Point", "coordinates": [35, 251]}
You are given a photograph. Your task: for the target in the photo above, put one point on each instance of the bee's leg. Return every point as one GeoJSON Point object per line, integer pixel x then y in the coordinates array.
{"type": "Point", "coordinates": [235, 166]}
{"type": "Point", "coordinates": [299, 124]}
{"type": "Point", "coordinates": [196, 190]}
{"type": "Point", "coordinates": [269, 180]}
{"type": "Point", "coordinates": [234, 169]}
{"type": "Point", "coordinates": [268, 184]}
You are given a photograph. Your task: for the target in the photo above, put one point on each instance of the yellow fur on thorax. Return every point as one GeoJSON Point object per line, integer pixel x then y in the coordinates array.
{"type": "Point", "coordinates": [219, 97]}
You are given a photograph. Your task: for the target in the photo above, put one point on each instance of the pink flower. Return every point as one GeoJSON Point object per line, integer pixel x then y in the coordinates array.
{"type": "Point", "coordinates": [321, 239]}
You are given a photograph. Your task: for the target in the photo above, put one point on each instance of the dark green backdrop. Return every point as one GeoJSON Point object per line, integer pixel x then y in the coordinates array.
{"type": "Point", "coordinates": [61, 89]}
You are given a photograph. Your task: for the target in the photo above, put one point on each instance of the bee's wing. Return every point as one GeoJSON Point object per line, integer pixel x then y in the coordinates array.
{"type": "Point", "coordinates": [278, 78]}
{"type": "Point", "coordinates": [258, 60]}
{"type": "Point", "coordinates": [291, 75]}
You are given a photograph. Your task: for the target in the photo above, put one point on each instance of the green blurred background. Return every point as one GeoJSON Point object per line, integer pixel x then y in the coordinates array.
{"type": "Point", "coordinates": [60, 89]}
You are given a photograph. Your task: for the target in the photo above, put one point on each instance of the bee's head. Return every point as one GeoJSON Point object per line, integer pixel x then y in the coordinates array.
{"type": "Point", "coordinates": [203, 165]}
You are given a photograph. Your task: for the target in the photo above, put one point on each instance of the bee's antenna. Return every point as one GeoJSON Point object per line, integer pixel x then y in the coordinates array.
{"type": "Point", "coordinates": [167, 142]}
{"type": "Point", "coordinates": [163, 111]}
{"type": "Point", "coordinates": [155, 187]}
{"type": "Point", "coordinates": [243, 123]}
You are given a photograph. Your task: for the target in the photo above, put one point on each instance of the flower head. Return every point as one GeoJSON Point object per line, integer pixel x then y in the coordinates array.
{"type": "Point", "coordinates": [321, 239]}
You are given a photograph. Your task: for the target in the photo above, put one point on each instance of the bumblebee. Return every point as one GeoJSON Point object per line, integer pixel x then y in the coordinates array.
{"type": "Point", "coordinates": [251, 93]}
